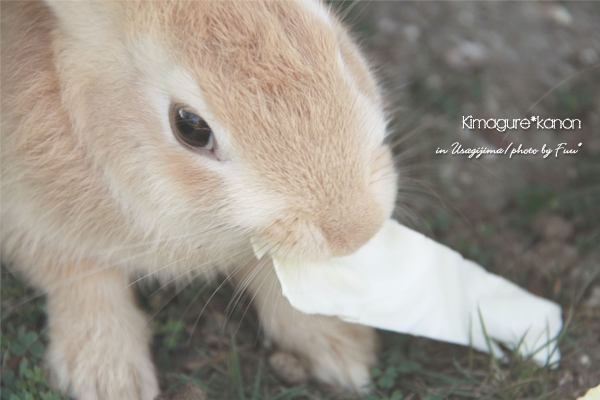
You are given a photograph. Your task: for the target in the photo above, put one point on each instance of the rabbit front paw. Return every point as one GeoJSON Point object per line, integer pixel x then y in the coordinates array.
{"type": "Point", "coordinates": [339, 353]}
{"type": "Point", "coordinates": [99, 340]}
{"type": "Point", "coordinates": [98, 365]}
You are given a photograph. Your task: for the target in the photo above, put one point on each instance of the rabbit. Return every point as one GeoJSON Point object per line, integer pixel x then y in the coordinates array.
{"type": "Point", "coordinates": [154, 140]}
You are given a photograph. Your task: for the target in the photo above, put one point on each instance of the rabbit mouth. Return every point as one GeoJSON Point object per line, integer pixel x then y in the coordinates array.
{"type": "Point", "coordinates": [318, 239]}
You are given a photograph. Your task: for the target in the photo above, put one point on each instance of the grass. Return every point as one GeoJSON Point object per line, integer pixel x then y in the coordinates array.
{"type": "Point", "coordinates": [22, 345]}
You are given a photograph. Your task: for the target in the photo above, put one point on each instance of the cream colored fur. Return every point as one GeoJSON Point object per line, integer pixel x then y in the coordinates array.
{"type": "Point", "coordinates": [97, 192]}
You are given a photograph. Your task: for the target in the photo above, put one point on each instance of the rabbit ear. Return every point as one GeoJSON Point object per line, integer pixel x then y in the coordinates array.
{"type": "Point", "coordinates": [86, 19]}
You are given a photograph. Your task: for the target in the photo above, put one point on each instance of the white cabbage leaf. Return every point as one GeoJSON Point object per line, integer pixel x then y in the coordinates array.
{"type": "Point", "coordinates": [403, 281]}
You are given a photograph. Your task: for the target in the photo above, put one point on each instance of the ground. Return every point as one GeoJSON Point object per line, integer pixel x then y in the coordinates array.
{"type": "Point", "coordinates": [533, 220]}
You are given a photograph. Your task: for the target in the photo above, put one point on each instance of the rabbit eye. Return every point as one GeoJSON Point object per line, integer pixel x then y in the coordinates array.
{"type": "Point", "coordinates": [191, 129]}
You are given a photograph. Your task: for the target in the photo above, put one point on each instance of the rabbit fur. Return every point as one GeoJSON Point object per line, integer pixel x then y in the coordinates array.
{"type": "Point", "coordinates": [97, 192]}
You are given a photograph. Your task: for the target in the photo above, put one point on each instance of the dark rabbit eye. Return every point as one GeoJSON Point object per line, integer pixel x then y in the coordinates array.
{"type": "Point", "coordinates": [191, 128]}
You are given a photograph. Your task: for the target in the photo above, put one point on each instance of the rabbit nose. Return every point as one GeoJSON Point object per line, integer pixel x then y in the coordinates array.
{"type": "Point", "coordinates": [345, 234]}
{"type": "Point", "coordinates": [331, 231]}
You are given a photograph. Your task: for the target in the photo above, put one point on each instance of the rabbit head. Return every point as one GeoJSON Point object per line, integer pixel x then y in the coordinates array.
{"type": "Point", "coordinates": [293, 149]}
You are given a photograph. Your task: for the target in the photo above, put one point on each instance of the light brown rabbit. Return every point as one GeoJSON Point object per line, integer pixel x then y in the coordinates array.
{"type": "Point", "coordinates": [155, 138]}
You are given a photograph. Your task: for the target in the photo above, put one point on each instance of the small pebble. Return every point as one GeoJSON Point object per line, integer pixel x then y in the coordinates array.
{"type": "Point", "coordinates": [588, 57]}
{"type": "Point", "coordinates": [552, 227]}
{"type": "Point", "coordinates": [465, 178]}
{"type": "Point", "coordinates": [467, 55]}
{"type": "Point", "coordinates": [386, 25]}
{"type": "Point", "coordinates": [288, 368]}
{"type": "Point", "coordinates": [585, 360]}
{"type": "Point", "coordinates": [434, 82]}
{"type": "Point", "coordinates": [412, 33]}
{"type": "Point", "coordinates": [594, 300]}
{"type": "Point", "coordinates": [560, 15]}
{"type": "Point", "coordinates": [566, 378]}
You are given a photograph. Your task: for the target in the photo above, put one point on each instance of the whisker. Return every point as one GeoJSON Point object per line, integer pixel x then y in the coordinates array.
{"type": "Point", "coordinates": [196, 267]}
{"type": "Point", "coordinates": [158, 241]}
{"type": "Point", "coordinates": [343, 14]}
{"type": "Point", "coordinates": [40, 293]}
{"type": "Point", "coordinates": [240, 289]}
{"type": "Point", "coordinates": [246, 282]}
{"type": "Point", "coordinates": [350, 8]}
{"type": "Point", "coordinates": [165, 303]}
{"type": "Point", "coordinates": [85, 274]}
{"type": "Point", "coordinates": [225, 281]}
{"type": "Point", "coordinates": [261, 318]}
{"type": "Point", "coordinates": [192, 302]}
{"type": "Point", "coordinates": [553, 88]}
{"type": "Point", "coordinates": [278, 297]}
{"type": "Point", "coordinates": [411, 134]}
{"type": "Point", "coordinates": [157, 271]}
{"type": "Point", "coordinates": [259, 268]}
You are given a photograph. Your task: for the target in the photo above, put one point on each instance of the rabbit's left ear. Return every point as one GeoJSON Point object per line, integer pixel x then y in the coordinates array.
{"type": "Point", "coordinates": [87, 19]}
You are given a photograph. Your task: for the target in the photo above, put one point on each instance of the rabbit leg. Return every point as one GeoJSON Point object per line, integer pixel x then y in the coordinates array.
{"type": "Point", "coordinates": [337, 353]}
{"type": "Point", "coordinates": [99, 341]}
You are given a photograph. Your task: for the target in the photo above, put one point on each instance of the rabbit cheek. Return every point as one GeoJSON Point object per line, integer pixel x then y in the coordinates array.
{"type": "Point", "coordinates": [194, 183]}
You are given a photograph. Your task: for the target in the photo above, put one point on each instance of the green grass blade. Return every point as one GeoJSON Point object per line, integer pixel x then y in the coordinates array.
{"type": "Point", "coordinates": [257, 382]}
